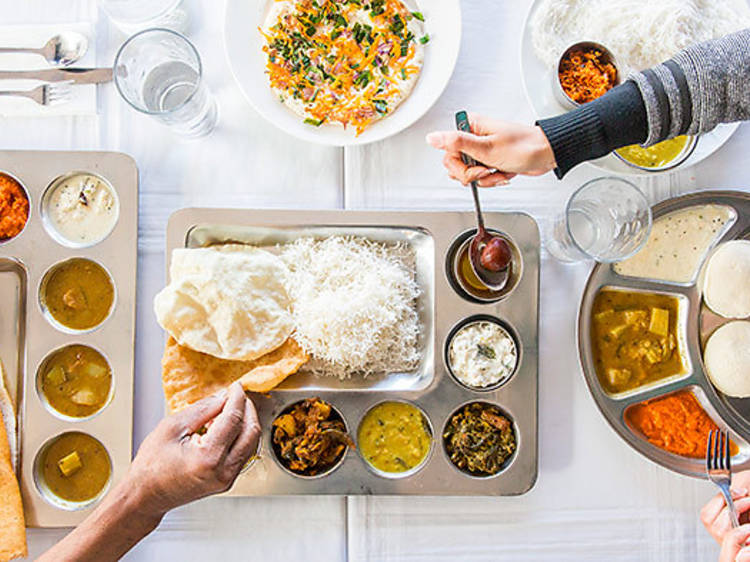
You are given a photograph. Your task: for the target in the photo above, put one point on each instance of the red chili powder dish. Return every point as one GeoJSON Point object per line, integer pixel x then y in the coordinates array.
{"type": "Point", "coordinates": [585, 76]}
{"type": "Point", "coordinates": [14, 207]}
{"type": "Point", "coordinates": [676, 423]}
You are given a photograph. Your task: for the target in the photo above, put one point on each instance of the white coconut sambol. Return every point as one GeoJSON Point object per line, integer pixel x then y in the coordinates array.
{"type": "Point", "coordinates": [482, 354]}
{"type": "Point", "coordinates": [346, 62]}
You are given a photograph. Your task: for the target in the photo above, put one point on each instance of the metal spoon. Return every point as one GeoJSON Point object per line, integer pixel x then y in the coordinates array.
{"type": "Point", "coordinates": [62, 50]}
{"type": "Point", "coordinates": [493, 280]}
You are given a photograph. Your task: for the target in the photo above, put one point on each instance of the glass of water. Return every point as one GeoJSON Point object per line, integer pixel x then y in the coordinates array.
{"type": "Point", "coordinates": [159, 73]}
{"type": "Point", "coordinates": [606, 219]}
{"type": "Point", "coordinates": [132, 16]}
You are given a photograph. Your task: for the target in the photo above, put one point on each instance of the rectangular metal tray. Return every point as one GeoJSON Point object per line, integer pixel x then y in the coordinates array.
{"type": "Point", "coordinates": [430, 387]}
{"type": "Point", "coordinates": [27, 337]}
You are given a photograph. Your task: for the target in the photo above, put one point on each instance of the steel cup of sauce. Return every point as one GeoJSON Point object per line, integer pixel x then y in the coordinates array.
{"type": "Point", "coordinates": [80, 209]}
{"type": "Point", "coordinates": [462, 276]}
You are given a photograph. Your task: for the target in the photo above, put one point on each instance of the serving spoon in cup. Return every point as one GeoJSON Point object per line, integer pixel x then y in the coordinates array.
{"type": "Point", "coordinates": [489, 255]}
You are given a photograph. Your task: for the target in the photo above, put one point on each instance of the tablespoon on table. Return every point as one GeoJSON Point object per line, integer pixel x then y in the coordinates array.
{"type": "Point", "coordinates": [489, 255]}
{"type": "Point", "coordinates": [62, 50]}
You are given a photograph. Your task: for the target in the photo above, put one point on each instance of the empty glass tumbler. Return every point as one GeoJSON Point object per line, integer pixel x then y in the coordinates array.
{"type": "Point", "coordinates": [159, 73]}
{"type": "Point", "coordinates": [132, 16]}
{"type": "Point", "coordinates": [606, 219]}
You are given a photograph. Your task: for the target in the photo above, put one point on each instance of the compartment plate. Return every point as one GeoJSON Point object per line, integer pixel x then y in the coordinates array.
{"type": "Point", "coordinates": [23, 262]}
{"type": "Point", "coordinates": [431, 387]}
{"type": "Point", "coordinates": [729, 413]}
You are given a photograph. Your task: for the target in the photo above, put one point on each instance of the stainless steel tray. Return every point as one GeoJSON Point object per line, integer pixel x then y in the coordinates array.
{"type": "Point", "coordinates": [27, 337]}
{"type": "Point", "coordinates": [698, 322]}
{"type": "Point", "coordinates": [430, 387]}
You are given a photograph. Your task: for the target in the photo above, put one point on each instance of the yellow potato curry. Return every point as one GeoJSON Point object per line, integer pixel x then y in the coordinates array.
{"type": "Point", "coordinates": [76, 467]}
{"type": "Point", "coordinates": [634, 339]}
{"type": "Point", "coordinates": [394, 437]}
{"type": "Point", "coordinates": [76, 381]}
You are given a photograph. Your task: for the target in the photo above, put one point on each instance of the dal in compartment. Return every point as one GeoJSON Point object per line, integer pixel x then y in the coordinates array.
{"type": "Point", "coordinates": [394, 437]}
{"type": "Point", "coordinates": [634, 339]}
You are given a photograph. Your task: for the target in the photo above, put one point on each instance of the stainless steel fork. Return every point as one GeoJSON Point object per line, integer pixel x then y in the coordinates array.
{"type": "Point", "coordinates": [719, 468]}
{"type": "Point", "coordinates": [47, 94]}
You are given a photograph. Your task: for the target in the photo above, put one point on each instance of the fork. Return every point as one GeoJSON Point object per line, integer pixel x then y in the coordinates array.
{"type": "Point", "coordinates": [46, 94]}
{"type": "Point", "coordinates": [719, 468]}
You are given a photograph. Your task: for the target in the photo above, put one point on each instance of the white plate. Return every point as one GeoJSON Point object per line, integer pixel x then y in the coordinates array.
{"type": "Point", "coordinates": [247, 61]}
{"type": "Point", "coordinates": [538, 82]}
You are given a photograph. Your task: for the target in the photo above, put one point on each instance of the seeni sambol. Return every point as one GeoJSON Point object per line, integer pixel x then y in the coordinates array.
{"type": "Point", "coordinates": [14, 208]}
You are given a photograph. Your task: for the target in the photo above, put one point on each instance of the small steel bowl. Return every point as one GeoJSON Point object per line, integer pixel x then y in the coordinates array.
{"type": "Point", "coordinates": [560, 95]}
{"type": "Point", "coordinates": [686, 152]}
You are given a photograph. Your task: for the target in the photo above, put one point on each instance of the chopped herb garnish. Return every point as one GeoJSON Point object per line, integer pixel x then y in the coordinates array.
{"type": "Point", "coordinates": [418, 15]}
{"type": "Point", "coordinates": [486, 351]}
{"type": "Point", "coordinates": [424, 39]}
{"type": "Point", "coordinates": [381, 106]}
{"type": "Point", "coordinates": [403, 74]}
{"type": "Point", "coordinates": [314, 122]}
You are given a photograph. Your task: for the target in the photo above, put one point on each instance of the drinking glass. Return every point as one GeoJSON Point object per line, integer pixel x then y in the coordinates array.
{"type": "Point", "coordinates": [159, 73]}
{"type": "Point", "coordinates": [132, 16]}
{"type": "Point", "coordinates": [606, 219]}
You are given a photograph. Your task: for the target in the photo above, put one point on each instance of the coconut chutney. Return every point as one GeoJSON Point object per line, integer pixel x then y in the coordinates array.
{"type": "Point", "coordinates": [81, 208]}
{"type": "Point", "coordinates": [678, 243]}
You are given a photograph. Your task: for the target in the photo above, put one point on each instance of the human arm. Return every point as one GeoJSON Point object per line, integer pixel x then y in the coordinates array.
{"type": "Point", "coordinates": [702, 86]}
{"type": "Point", "coordinates": [175, 465]}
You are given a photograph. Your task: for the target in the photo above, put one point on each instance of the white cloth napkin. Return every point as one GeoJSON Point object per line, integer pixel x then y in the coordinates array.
{"type": "Point", "coordinates": [83, 100]}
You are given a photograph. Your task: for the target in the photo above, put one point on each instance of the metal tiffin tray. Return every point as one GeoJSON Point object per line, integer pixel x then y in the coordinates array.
{"type": "Point", "coordinates": [431, 387]}
{"type": "Point", "coordinates": [29, 335]}
{"type": "Point", "coordinates": [696, 324]}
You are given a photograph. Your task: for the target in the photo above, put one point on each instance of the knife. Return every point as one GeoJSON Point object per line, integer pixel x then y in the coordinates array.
{"type": "Point", "coordinates": [76, 75]}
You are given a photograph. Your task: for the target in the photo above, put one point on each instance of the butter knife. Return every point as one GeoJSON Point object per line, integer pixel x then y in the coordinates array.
{"type": "Point", "coordinates": [75, 75]}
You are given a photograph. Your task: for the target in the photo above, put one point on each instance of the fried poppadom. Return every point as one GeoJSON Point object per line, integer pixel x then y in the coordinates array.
{"type": "Point", "coordinates": [188, 375]}
{"type": "Point", "coordinates": [12, 524]}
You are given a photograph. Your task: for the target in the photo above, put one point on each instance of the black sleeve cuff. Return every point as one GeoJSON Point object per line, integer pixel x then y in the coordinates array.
{"type": "Point", "coordinates": [595, 129]}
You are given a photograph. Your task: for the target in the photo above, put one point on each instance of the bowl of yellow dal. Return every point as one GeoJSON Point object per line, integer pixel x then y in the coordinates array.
{"type": "Point", "coordinates": [660, 157]}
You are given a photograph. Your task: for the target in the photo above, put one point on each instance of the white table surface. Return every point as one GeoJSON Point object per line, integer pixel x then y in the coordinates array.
{"type": "Point", "coordinates": [595, 498]}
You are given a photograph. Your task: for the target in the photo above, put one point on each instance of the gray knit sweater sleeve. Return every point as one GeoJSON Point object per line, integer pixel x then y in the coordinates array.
{"type": "Point", "coordinates": [702, 86]}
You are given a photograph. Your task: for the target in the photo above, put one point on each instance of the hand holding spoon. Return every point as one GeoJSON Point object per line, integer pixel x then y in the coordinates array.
{"type": "Point", "coordinates": [489, 255]}
{"type": "Point", "coordinates": [62, 50]}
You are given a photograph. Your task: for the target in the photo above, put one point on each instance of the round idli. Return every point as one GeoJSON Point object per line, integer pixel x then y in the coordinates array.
{"type": "Point", "coordinates": [726, 288]}
{"type": "Point", "coordinates": [227, 301]}
{"type": "Point", "coordinates": [727, 359]}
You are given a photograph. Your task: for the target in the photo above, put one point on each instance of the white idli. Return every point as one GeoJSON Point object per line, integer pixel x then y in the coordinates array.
{"type": "Point", "coordinates": [227, 301]}
{"type": "Point", "coordinates": [727, 359]}
{"type": "Point", "coordinates": [726, 288]}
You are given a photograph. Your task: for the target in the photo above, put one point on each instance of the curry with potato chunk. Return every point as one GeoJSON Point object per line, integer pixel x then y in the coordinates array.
{"type": "Point", "coordinates": [634, 339]}
{"type": "Point", "coordinates": [76, 381]}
